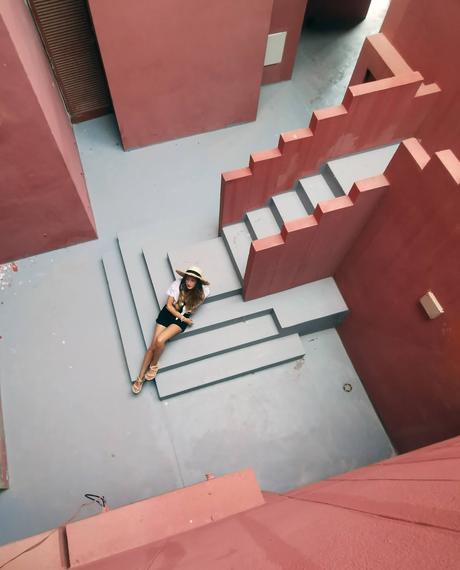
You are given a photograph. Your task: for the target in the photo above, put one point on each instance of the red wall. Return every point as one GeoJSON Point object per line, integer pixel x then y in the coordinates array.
{"type": "Point", "coordinates": [426, 33]}
{"type": "Point", "coordinates": [44, 202]}
{"type": "Point", "coordinates": [287, 16]}
{"type": "Point", "coordinates": [403, 513]}
{"type": "Point", "coordinates": [177, 68]}
{"type": "Point", "coordinates": [410, 365]}
{"type": "Point", "coordinates": [371, 114]}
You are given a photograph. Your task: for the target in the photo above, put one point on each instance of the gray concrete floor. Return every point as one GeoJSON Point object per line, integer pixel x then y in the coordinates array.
{"type": "Point", "coordinates": [71, 423]}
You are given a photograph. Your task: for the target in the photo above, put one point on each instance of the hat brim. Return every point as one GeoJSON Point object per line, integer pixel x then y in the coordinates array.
{"type": "Point", "coordinates": [184, 273]}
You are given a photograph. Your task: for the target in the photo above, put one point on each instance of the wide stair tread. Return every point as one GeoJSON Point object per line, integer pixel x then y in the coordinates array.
{"type": "Point", "coordinates": [312, 190]}
{"type": "Point", "coordinates": [188, 349]}
{"type": "Point", "coordinates": [287, 207]}
{"type": "Point", "coordinates": [349, 169]}
{"type": "Point", "coordinates": [140, 283]}
{"type": "Point", "coordinates": [229, 365]}
{"type": "Point", "coordinates": [238, 241]}
{"type": "Point", "coordinates": [125, 313]}
{"type": "Point", "coordinates": [262, 223]}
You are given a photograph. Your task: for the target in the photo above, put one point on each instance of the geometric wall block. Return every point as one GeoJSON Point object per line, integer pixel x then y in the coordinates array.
{"type": "Point", "coordinates": [431, 305]}
{"type": "Point", "coordinates": [44, 203]}
{"type": "Point", "coordinates": [177, 68]}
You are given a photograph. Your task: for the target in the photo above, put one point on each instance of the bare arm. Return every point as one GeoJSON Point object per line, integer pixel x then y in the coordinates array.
{"type": "Point", "coordinates": [172, 309]}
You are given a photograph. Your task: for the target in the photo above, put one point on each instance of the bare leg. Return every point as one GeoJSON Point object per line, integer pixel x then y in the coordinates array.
{"type": "Point", "coordinates": [149, 354]}
{"type": "Point", "coordinates": [161, 341]}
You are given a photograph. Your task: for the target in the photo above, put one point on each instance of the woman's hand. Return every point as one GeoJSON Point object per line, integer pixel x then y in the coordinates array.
{"type": "Point", "coordinates": [187, 321]}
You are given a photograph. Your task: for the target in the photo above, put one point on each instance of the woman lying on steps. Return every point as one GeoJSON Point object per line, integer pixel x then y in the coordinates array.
{"type": "Point", "coordinates": [184, 297]}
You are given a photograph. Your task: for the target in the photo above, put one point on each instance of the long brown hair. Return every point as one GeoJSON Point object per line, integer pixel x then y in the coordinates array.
{"type": "Point", "coordinates": [190, 297]}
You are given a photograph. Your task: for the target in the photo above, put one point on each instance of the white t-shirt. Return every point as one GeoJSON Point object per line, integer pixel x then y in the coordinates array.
{"type": "Point", "coordinates": [173, 292]}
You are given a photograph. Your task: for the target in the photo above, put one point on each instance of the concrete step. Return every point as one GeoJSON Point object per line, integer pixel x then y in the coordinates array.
{"type": "Point", "coordinates": [304, 309]}
{"type": "Point", "coordinates": [261, 223]}
{"type": "Point", "coordinates": [125, 312]}
{"type": "Point", "coordinates": [212, 257]}
{"type": "Point", "coordinates": [229, 365]}
{"type": "Point", "coordinates": [351, 168]}
{"type": "Point", "coordinates": [189, 349]}
{"type": "Point", "coordinates": [312, 190]}
{"type": "Point", "coordinates": [140, 283]}
{"type": "Point", "coordinates": [238, 241]}
{"type": "Point", "coordinates": [287, 207]}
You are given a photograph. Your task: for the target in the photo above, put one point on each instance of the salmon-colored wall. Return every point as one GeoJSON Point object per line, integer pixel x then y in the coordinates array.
{"type": "Point", "coordinates": [177, 68]}
{"type": "Point", "coordinates": [287, 16]}
{"type": "Point", "coordinates": [44, 202]}
{"type": "Point", "coordinates": [400, 513]}
{"type": "Point", "coordinates": [371, 114]}
{"type": "Point", "coordinates": [410, 365]}
{"type": "Point", "coordinates": [426, 33]}
{"type": "Point", "coordinates": [308, 249]}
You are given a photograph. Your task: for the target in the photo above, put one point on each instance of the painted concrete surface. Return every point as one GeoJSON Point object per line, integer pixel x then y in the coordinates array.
{"type": "Point", "coordinates": [72, 425]}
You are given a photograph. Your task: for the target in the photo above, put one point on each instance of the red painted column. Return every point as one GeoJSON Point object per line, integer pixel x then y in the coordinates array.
{"type": "Point", "coordinates": [44, 202]}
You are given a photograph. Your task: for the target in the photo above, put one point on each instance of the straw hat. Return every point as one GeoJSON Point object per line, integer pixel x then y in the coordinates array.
{"type": "Point", "coordinates": [193, 271]}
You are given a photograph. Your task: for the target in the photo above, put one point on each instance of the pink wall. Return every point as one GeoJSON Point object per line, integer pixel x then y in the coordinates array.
{"type": "Point", "coordinates": [287, 16]}
{"type": "Point", "coordinates": [45, 204]}
{"type": "Point", "coordinates": [401, 513]}
{"type": "Point", "coordinates": [308, 248]}
{"type": "Point", "coordinates": [426, 35]}
{"type": "Point", "coordinates": [410, 365]}
{"type": "Point", "coordinates": [177, 68]}
{"type": "Point", "coordinates": [371, 114]}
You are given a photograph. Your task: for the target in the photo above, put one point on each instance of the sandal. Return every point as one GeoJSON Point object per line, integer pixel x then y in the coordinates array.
{"type": "Point", "coordinates": [136, 386]}
{"type": "Point", "coordinates": [151, 373]}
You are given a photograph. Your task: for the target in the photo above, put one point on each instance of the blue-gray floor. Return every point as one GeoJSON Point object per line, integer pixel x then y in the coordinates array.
{"type": "Point", "coordinates": [72, 425]}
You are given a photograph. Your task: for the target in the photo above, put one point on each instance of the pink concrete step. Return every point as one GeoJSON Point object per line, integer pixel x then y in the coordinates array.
{"type": "Point", "coordinates": [142, 523]}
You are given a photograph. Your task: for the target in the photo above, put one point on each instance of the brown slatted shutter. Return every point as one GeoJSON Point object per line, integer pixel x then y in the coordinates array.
{"type": "Point", "coordinates": [70, 43]}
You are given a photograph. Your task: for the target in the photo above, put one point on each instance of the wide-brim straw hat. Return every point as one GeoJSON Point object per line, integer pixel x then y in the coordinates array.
{"type": "Point", "coordinates": [193, 271]}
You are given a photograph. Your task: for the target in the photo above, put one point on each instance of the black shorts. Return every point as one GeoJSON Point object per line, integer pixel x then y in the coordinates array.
{"type": "Point", "coordinates": [165, 318]}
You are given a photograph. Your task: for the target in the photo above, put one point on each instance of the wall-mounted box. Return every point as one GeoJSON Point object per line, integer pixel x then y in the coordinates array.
{"type": "Point", "coordinates": [275, 48]}
{"type": "Point", "coordinates": [431, 305]}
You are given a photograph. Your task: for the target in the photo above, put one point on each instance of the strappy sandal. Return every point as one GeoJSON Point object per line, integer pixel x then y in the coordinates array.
{"type": "Point", "coordinates": [151, 373]}
{"type": "Point", "coordinates": [136, 386]}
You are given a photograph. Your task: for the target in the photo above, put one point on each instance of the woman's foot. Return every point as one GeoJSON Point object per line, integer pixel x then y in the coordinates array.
{"type": "Point", "coordinates": [151, 373]}
{"type": "Point", "coordinates": [136, 386]}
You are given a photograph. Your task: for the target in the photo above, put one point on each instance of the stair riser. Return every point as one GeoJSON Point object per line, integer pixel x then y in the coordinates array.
{"type": "Point", "coordinates": [250, 227]}
{"type": "Point", "coordinates": [316, 325]}
{"type": "Point", "coordinates": [218, 352]}
{"type": "Point", "coordinates": [232, 258]}
{"type": "Point", "coordinates": [303, 197]}
{"type": "Point", "coordinates": [330, 178]}
{"type": "Point", "coordinates": [276, 213]}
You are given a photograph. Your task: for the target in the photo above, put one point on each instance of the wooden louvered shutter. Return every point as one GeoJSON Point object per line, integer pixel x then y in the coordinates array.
{"type": "Point", "coordinates": [70, 43]}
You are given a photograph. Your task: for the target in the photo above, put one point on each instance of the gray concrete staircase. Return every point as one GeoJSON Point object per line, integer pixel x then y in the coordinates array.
{"type": "Point", "coordinates": [230, 337]}
{"type": "Point", "coordinates": [334, 179]}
